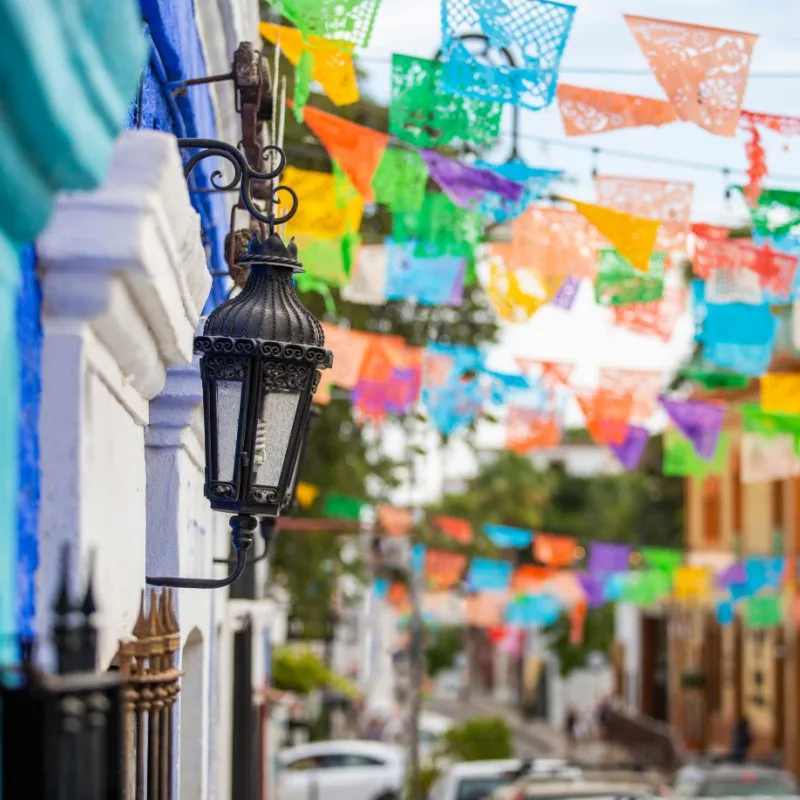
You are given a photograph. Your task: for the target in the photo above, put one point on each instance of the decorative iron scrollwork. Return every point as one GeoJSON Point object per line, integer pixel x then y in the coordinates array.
{"type": "Point", "coordinates": [243, 174]}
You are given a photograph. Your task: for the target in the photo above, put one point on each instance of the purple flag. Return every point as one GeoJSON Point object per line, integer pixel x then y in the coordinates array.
{"type": "Point", "coordinates": [567, 292]}
{"type": "Point", "coordinates": [467, 186]}
{"type": "Point", "coordinates": [735, 573]}
{"type": "Point", "coordinates": [607, 558]}
{"type": "Point", "coordinates": [629, 451]}
{"type": "Point", "coordinates": [700, 423]}
{"type": "Point", "coordinates": [595, 595]}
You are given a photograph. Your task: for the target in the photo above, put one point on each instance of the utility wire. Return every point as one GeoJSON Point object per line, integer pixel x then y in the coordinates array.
{"type": "Point", "coordinates": [368, 59]}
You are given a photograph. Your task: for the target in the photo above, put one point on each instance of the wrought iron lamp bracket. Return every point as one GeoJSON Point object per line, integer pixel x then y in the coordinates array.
{"type": "Point", "coordinates": [243, 174]}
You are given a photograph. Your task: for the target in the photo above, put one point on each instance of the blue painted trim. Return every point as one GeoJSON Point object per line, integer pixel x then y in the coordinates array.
{"type": "Point", "coordinates": [29, 345]}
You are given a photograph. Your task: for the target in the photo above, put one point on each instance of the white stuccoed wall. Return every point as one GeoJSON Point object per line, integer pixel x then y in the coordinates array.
{"type": "Point", "coordinates": [124, 278]}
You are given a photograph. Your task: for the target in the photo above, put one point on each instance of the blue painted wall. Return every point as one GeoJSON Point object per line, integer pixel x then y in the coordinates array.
{"type": "Point", "coordinates": [175, 54]}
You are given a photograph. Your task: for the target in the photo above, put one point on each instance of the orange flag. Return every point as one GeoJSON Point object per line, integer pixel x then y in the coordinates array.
{"type": "Point", "coordinates": [487, 609]}
{"type": "Point", "coordinates": [552, 373]}
{"type": "Point", "coordinates": [577, 623]}
{"type": "Point", "coordinates": [443, 568]}
{"type": "Point", "coordinates": [349, 351]}
{"type": "Point", "coordinates": [703, 70]}
{"type": "Point", "coordinates": [529, 429]}
{"type": "Point", "coordinates": [555, 551]}
{"type": "Point", "coordinates": [670, 202]}
{"type": "Point", "coordinates": [633, 237]}
{"type": "Point", "coordinates": [397, 595]}
{"type": "Point", "coordinates": [529, 578]}
{"type": "Point", "coordinates": [606, 414]}
{"type": "Point", "coordinates": [552, 241]}
{"type": "Point", "coordinates": [358, 150]}
{"type": "Point", "coordinates": [459, 530]}
{"type": "Point", "coordinates": [395, 521]}
{"type": "Point", "coordinates": [653, 319]}
{"type": "Point", "coordinates": [642, 387]}
{"type": "Point", "coordinates": [596, 111]}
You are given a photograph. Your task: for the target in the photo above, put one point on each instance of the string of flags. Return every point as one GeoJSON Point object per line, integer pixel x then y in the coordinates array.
{"type": "Point", "coordinates": [634, 245]}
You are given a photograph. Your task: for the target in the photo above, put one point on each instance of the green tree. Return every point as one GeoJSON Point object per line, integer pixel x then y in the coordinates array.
{"type": "Point", "coordinates": [444, 644]}
{"type": "Point", "coordinates": [597, 638]}
{"type": "Point", "coordinates": [478, 739]}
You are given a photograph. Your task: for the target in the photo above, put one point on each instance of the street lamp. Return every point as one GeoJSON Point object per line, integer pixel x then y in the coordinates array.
{"type": "Point", "coordinates": [261, 353]}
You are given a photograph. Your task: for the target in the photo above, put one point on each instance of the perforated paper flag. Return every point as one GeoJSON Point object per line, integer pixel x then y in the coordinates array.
{"type": "Point", "coordinates": [367, 284]}
{"type": "Point", "coordinates": [529, 578]}
{"type": "Point", "coordinates": [738, 323]}
{"type": "Point", "coordinates": [606, 413]}
{"type": "Point", "coordinates": [630, 451]}
{"type": "Point", "coordinates": [325, 209]}
{"type": "Point", "coordinates": [486, 609]}
{"type": "Point", "coordinates": [516, 295]}
{"type": "Point", "coordinates": [552, 241]}
{"type": "Point", "coordinates": [762, 612]}
{"type": "Point", "coordinates": [530, 429]}
{"type": "Point", "coordinates": [555, 551]}
{"type": "Point", "coordinates": [465, 185]}
{"type": "Point", "coordinates": [763, 572]}
{"type": "Point", "coordinates": [486, 574]}
{"type": "Point", "coordinates": [457, 529]}
{"type": "Point", "coordinates": [567, 293]}
{"type": "Point", "coordinates": [703, 70]}
{"type": "Point", "coordinates": [424, 113]}
{"type": "Point", "coordinates": [633, 237]}
{"type": "Point", "coordinates": [348, 20]}
{"type": "Point", "coordinates": [619, 284]}
{"type": "Point", "coordinates": [430, 281]}
{"type": "Point", "coordinates": [356, 149]}
{"type": "Point", "coordinates": [306, 494]}
{"type": "Point", "coordinates": [662, 559]}
{"type": "Point", "coordinates": [777, 212]}
{"type": "Point", "coordinates": [439, 228]}
{"type": "Point", "coordinates": [328, 260]}
{"type": "Point", "coordinates": [725, 612]}
{"type": "Point", "coordinates": [780, 393]}
{"type": "Point", "coordinates": [754, 149]}
{"type": "Point", "coordinates": [536, 181]}
{"type": "Point", "coordinates": [669, 202]}
{"type": "Point", "coordinates": [756, 420]}
{"type": "Point", "coordinates": [505, 536]}
{"type": "Point", "coordinates": [585, 111]}
{"type": "Point", "coordinates": [380, 587]}
{"type": "Point", "coordinates": [653, 319]}
{"type": "Point", "coordinates": [680, 458]}
{"type": "Point", "coordinates": [645, 588]}
{"type": "Point", "coordinates": [642, 386]}
{"type": "Point", "coordinates": [700, 422]}
{"type": "Point", "coordinates": [337, 505]}
{"type": "Point", "coordinates": [395, 521]}
{"type": "Point", "coordinates": [530, 611]}
{"type": "Point", "coordinates": [748, 359]}
{"type": "Point", "coordinates": [768, 458]}
{"type": "Point", "coordinates": [692, 584]}
{"type": "Point", "coordinates": [607, 558]}
{"type": "Point", "coordinates": [331, 61]}
{"type": "Point", "coordinates": [535, 31]}
{"type": "Point", "coordinates": [349, 351]}
{"type": "Point", "coordinates": [400, 180]}
{"type": "Point", "coordinates": [443, 568]}
{"type": "Point", "coordinates": [593, 588]}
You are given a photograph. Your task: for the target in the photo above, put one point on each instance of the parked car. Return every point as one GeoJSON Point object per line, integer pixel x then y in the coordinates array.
{"type": "Point", "coordinates": [341, 770]}
{"type": "Point", "coordinates": [733, 780]}
{"type": "Point", "coordinates": [474, 780]}
{"type": "Point", "coordinates": [527, 789]}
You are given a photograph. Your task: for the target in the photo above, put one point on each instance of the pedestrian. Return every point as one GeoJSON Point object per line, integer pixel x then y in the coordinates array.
{"type": "Point", "coordinates": [571, 728]}
{"type": "Point", "coordinates": [742, 739]}
{"type": "Point", "coordinates": [374, 730]}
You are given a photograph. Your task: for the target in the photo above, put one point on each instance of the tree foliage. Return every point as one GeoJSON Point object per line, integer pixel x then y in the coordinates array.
{"type": "Point", "coordinates": [598, 637]}
{"type": "Point", "coordinates": [444, 644]}
{"type": "Point", "coordinates": [478, 739]}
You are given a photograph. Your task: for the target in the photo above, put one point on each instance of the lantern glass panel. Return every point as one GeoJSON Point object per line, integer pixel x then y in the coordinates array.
{"type": "Point", "coordinates": [229, 412]}
{"type": "Point", "coordinates": [273, 436]}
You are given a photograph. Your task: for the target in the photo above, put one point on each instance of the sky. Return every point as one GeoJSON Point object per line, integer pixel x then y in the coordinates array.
{"type": "Point", "coordinates": [600, 39]}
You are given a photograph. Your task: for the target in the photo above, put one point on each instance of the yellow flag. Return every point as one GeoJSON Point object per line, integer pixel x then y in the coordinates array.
{"type": "Point", "coordinates": [306, 494]}
{"type": "Point", "coordinates": [333, 60]}
{"type": "Point", "coordinates": [515, 294]}
{"type": "Point", "coordinates": [780, 393]}
{"type": "Point", "coordinates": [692, 583]}
{"type": "Point", "coordinates": [325, 209]}
{"type": "Point", "coordinates": [632, 237]}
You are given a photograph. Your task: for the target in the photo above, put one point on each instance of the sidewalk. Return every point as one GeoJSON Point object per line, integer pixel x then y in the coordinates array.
{"type": "Point", "coordinates": [532, 738]}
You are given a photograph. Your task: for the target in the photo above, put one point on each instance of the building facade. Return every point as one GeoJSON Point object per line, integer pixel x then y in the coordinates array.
{"type": "Point", "coordinates": [105, 279]}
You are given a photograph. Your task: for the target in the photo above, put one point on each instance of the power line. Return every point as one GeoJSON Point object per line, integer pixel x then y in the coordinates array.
{"type": "Point", "coordinates": [609, 70]}
{"type": "Point", "coordinates": [653, 159]}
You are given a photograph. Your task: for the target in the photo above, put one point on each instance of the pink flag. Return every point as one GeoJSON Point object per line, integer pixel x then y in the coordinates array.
{"type": "Point", "coordinates": [701, 423]}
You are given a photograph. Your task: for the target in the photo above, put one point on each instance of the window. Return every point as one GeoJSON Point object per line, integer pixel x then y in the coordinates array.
{"type": "Point", "coordinates": [777, 504]}
{"type": "Point", "coordinates": [478, 788]}
{"type": "Point", "coordinates": [710, 493]}
{"type": "Point", "coordinates": [352, 760]}
{"type": "Point", "coordinates": [303, 764]}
